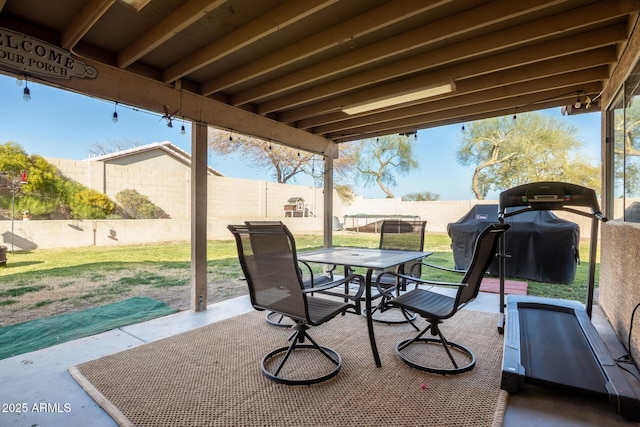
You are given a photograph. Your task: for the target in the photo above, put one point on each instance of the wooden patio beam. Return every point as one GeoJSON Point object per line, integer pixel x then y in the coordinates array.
{"type": "Point", "coordinates": [364, 24]}
{"type": "Point", "coordinates": [177, 21]}
{"type": "Point", "coordinates": [272, 21]}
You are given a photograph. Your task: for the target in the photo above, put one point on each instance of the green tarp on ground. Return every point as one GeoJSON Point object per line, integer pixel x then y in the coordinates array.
{"type": "Point", "coordinates": [36, 334]}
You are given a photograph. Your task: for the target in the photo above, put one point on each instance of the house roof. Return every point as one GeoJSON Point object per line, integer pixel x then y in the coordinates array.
{"type": "Point", "coordinates": [165, 146]}
{"type": "Point", "coordinates": [288, 70]}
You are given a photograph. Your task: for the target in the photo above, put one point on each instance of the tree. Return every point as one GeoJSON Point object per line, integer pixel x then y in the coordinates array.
{"type": "Point", "coordinates": [425, 196]}
{"type": "Point", "coordinates": [508, 152]}
{"type": "Point", "coordinates": [111, 146]}
{"type": "Point", "coordinates": [377, 160]}
{"type": "Point", "coordinates": [286, 163]}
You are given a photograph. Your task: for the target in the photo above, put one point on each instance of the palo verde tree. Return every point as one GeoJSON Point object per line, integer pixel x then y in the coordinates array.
{"type": "Point", "coordinates": [379, 160]}
{"type": "Point", "coordinates": [507, 152]}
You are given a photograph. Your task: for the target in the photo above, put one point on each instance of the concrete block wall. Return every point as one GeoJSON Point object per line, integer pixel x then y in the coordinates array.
{"type": "Point", "coordinates": [170, 188]}
{"type": "Point", "coordinates": [440, 213]}
{"type": "Point", "coordinates": [619, 291]}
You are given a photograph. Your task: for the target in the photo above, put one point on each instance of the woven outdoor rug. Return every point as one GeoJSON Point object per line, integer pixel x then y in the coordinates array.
{"type": "Point", "coordinates": [211, 377]}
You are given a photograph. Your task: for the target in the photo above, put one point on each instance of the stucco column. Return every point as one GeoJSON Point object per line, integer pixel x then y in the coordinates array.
{"type": "Point", "coordinates": [329, 155]}
{"type": "Point", "coordinates": [199, 216]}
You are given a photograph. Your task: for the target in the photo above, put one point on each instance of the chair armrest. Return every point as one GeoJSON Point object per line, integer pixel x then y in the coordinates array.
{"type": "Point", "coordinates": [306, 264]}
{"type": "Point", "coordinates": [419, 281]}
{"type": "Point", "coordinates": [438, 267]}
{"type": "Point", "coordinates": [326, 286]}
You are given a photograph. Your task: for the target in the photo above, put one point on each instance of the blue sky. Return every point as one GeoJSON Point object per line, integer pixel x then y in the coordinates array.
{"type": "Point", "coordinates": [62, 124]}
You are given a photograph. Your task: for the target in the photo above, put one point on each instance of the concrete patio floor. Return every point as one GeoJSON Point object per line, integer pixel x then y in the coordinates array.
{"type": "Point", "coordinates": [37, 390]}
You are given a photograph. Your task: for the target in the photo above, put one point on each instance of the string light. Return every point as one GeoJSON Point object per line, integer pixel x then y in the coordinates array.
{"type": "Point", "coordinates": [183, 131]}
{"type": "Point", "coordinates": [114, 118]}
{"type": "Point", "coordinates": [26, 93]}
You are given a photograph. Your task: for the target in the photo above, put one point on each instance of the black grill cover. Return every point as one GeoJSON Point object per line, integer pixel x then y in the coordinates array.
{"type": "Point", "coordinates": [541, 246]}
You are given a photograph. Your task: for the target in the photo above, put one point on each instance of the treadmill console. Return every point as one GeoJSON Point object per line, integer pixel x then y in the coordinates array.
{"type": "Point", "coordinates": [549, 196]}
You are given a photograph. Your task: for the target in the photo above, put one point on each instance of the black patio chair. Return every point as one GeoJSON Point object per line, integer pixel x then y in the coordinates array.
{"type": "Point", "coordinates": [435, 307]}
{"type": "Point", "coordinates": [309, 279]}
{"type": "Point", "coordinates": [404, 236]}
{"type": "Point", "coordinates": [267, 254]}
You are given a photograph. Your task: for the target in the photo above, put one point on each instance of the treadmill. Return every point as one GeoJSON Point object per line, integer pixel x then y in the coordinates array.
{"type": "Point", "coordinates": [552, 342]}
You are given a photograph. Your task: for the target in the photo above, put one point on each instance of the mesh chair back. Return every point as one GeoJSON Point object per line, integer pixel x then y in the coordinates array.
{"type": "Point", "coordinates": [403, 236]}
{"type": "Point", "coordinates": [267, 255]}
{"type": "Point", "coordinates": [485, 250]}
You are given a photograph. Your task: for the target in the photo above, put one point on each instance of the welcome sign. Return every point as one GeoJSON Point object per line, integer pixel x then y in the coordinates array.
{"type": "Point", "coordinates": [36, 57]}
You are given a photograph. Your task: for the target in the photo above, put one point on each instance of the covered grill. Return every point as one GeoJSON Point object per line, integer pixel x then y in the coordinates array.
{"type": "Point", "coordinates": [540, 246]}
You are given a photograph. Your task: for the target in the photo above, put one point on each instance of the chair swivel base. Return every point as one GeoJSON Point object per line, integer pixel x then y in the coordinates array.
{"type": "Point", "coordinates": [457, 348]}
{"type": "Point", "coordinates": [276, 319]}
{"type": "Point", "coordinates": [330, 354]}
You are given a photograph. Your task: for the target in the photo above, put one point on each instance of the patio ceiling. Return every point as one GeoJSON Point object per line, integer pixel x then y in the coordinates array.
{"type": "Point", "coordinates": [287, 70]}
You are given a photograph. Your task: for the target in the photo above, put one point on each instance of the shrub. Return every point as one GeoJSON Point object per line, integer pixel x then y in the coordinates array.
{"type": "Point", "coordinates": [89, 204]}
{"type": "Point", "coordinates": [138, 206]}
{"type": "Point", "coordinates": [37, 207]}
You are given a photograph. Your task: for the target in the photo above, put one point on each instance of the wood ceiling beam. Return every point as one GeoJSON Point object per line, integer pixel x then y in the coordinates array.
{"type": "Point", "coordinates": [574, 79]}
{"type": "Point", "coordinates": [440, 123]}
{"type": "Point", "coordinates": [127, 88]}
{"type": "Point", "coordinates": [560, 102]}
{"type": "Point", "coordinates": [268, 23]}
{"type": "Point", "coordinates": [571, 20]}
{"type": "Point", "coordinates": [361, 25]}
{"type": "Point", "coordinates": [177, 21]}
{"type": "Point", "coordinates": [531, 55]}
{"type": "Point", "coordinates": [82, 23]}
{"type": "Point", "coordinates": [511, 105]}
{"type": "Point", "coordinates": [473, 19]}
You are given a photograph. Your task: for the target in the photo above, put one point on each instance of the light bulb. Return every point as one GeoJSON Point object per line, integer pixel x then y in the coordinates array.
{"type": "Point", "coordinates": [26, 94]}
{"type": "Point", "coordinates": [114, 119]}
{"type": "Point", "coordinates": [183, 131]}
{"type": "Point", "coordinates": [578, 104]}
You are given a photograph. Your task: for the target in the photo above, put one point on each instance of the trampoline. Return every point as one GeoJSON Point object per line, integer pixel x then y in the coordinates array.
{"type": "Point", "coordinates": [552, 342]}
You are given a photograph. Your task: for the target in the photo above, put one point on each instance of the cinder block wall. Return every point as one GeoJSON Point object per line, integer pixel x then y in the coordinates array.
{"type": "Point", "coordinates": [620, 277]}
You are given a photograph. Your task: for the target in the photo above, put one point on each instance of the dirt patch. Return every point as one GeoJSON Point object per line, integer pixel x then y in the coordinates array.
{"type": "Point", "coordinates": [64, 295]}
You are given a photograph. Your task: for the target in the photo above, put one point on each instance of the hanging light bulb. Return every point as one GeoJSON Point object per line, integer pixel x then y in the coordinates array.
{"type": "Point", "coordinates": [578, 104]}
{"type": "Point", "coordinates": [463, 127]}
{"type": "Point", "coordinates": [26, 93]}
{"type": "Point", "coordinates": [114, 118]}
{"type": "Point", "coordinates": [183, 131]}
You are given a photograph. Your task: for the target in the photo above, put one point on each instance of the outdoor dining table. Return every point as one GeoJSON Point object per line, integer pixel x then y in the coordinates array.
{"type": "Point", "coordinates": [372, 260]}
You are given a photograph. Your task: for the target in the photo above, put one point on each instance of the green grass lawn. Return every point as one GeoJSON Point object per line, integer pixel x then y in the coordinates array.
{"type": "Point", "coordinates": [50, 281]}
